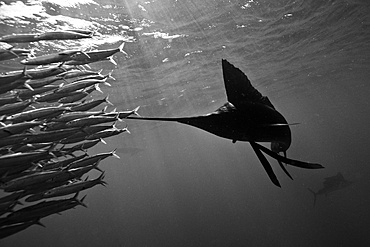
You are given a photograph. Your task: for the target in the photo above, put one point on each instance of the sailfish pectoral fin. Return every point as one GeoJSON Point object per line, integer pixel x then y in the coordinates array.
{"type": "Point", "coordinates": [284, 169]}
{"type": "Point", "coordinates": [266, 165]}
{"type": "Point", "coordinates": [291, 162]}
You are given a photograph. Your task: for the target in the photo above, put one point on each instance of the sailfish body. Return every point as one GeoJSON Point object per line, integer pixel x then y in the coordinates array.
{"type": "Point", "coordinates": [246, 116]}
{"type": "Point", "coordinates": [245, 124]}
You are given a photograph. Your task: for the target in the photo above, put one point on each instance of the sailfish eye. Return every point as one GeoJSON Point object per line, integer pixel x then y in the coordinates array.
{"type": "Point", "coordinates": [278, 147]}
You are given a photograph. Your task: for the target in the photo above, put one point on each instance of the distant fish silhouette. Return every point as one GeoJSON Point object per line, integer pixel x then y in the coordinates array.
{"type": "Point", "coordinates": [331, 184]}
{"type": "Point", "coordinates": [247, 116]}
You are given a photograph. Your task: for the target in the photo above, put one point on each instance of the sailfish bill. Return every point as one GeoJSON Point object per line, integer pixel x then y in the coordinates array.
{"type": "Point", "coordinates": [247, 116]}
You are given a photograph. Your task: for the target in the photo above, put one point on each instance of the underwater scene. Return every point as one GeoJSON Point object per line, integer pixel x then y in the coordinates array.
{"type": "Point", "coordinates": [184, 123]}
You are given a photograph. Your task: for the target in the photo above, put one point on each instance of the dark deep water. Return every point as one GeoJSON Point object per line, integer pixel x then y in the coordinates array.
{"type": "Point", "coordinates": [179, 186]}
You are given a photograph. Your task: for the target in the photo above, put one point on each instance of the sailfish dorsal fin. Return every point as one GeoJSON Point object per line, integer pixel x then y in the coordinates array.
{"type": "Point", "coordinates": [239, 89]}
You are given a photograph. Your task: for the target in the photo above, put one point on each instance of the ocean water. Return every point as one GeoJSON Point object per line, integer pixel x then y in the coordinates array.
{"type": "Point", "coordinates": [176, 185]}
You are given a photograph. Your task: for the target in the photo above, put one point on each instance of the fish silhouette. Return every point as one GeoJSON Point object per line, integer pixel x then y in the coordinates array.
{"type": "Point", "coordinates": [248, 116]}
{"type": "Point", "coordinates": [331, 184]}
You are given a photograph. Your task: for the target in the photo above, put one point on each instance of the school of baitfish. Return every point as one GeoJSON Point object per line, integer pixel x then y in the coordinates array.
{"type": "Point", "coordinates": [47, 126]}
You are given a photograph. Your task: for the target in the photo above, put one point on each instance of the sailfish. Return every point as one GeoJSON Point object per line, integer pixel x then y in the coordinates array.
{"type": "Point", "coordinates": [247, 116]}
{"type": "Point", "coordinates": [331, 184]}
